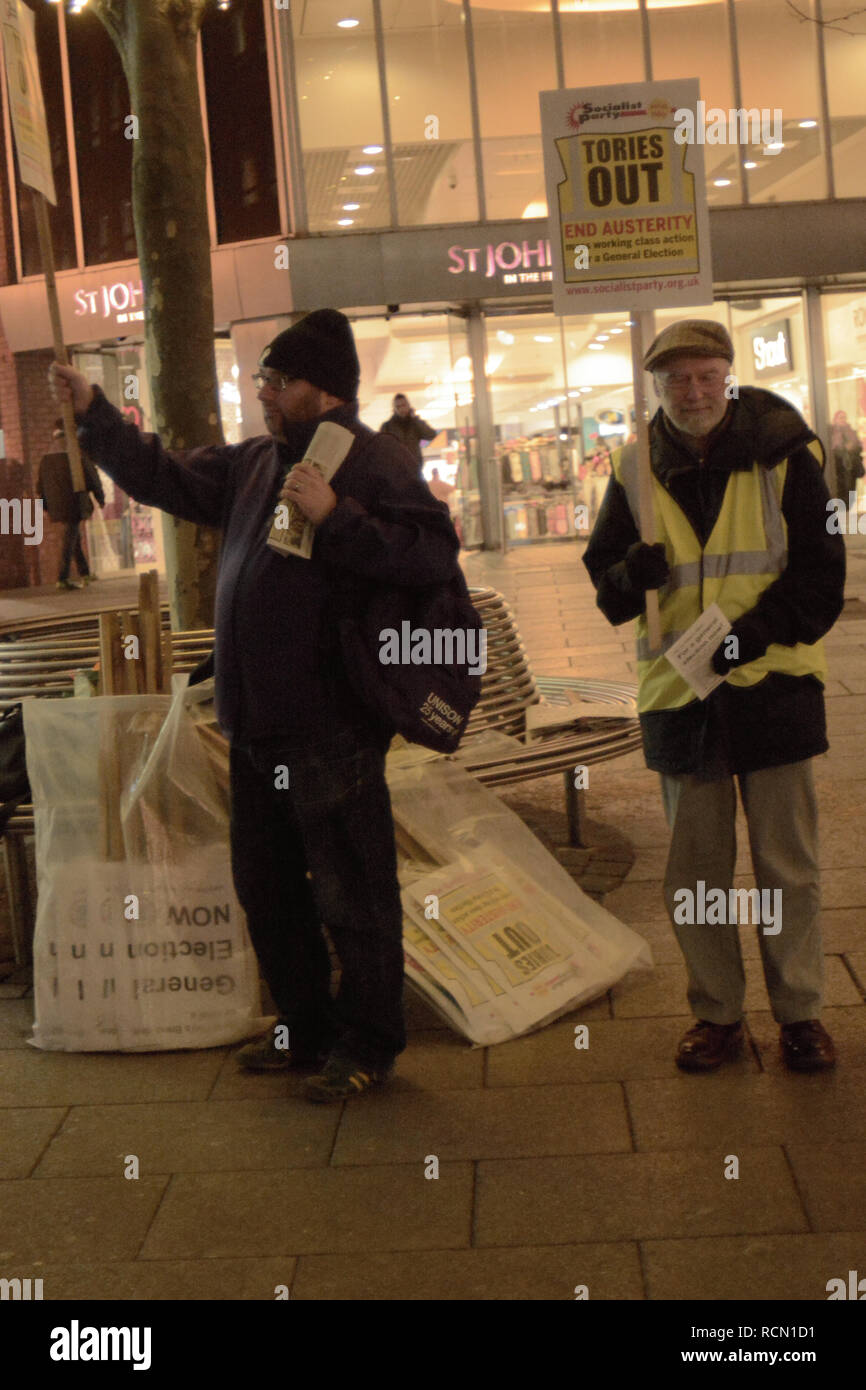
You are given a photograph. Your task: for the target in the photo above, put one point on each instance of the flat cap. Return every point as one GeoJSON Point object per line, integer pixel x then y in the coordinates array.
{"type": "Point", "coordinates": [689, 338]}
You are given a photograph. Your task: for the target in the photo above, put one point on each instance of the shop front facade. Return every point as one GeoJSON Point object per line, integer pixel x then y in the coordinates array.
{"type": "Point", "coordinates": [415, 202]}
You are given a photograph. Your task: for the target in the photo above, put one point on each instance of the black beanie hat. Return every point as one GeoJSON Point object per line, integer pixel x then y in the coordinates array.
{"type": "Point", "coordinates": [320, 349]}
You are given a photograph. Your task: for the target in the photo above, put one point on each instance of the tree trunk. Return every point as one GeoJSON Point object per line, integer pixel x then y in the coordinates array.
{"type": "Point", "coordinates": [156, 40]}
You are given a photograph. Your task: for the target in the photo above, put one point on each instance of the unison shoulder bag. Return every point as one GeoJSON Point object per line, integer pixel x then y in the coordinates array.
{"type": "Point", "coordinates": [415, 658]}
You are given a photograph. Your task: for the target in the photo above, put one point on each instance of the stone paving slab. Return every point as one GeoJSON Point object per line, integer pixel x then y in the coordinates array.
{"type": "Point", "coordinates": [452, 1125]}
{"type": "Point", "coordinates": [549, 1273]}
{"type": "Point", "coordinates": [844, 888]}
{"type": "Point", "coordinates": [24, 1134]}
{"type": "Point", "coordinates": [28, 1077]}
{"type": "Point", "coordinates": [856, 962]}
{"type": "Point", "coordinates": [77, 1219]}
{"type": "Point", "coordinates": [620, 1049]}
{"type": "Point", "coordinates": [546, 1218]}
{"type": "Point", "coordinates": [191, 1137]}
{"type": "Point", "coordinates": [14, 987]}
{"type": "Point", "coordinates": [726, 1113]}
{"type": "Point", "coordinates": [633, 1196]}
{"type": "Point", "coordinates": [149, 1281]}
{"type": "Point", "coordinates": [327, 1211]}
{"type": "Point", "coordinates": [750, 1268]}
{"type": "Point", "coordinates": [842, 930]}
{"type": "Point", "coordinates": [832, 1183]}
{"type": "Point", "coordinates": [16, 1022]}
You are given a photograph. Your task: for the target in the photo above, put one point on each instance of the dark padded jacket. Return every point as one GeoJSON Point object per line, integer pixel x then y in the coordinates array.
{"type": "Point", "coordinates": [54, 486]}
{"type": "Point", "coordinates": [782, 718]}
{"type": "Point", "coordinates": [410, 431]}
{"type": "Point", "coordinates": [279, 671]}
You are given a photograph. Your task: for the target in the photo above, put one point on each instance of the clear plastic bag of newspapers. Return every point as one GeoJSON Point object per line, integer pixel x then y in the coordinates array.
{"type": "Point", "coordinates": [497, 935]}
{"type": "Point", "coordinates": [140, 942]}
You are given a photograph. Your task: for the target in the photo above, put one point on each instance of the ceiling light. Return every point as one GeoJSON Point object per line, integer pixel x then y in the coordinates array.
{"type": "Point", "coordinates": [372, 149]}
{"type": "Point", "coordinates": [601, 337]}
{"type": "Point", "coordinates": [617, 330]}
{"type": "Point", "coordinates": [596, 347]}
{"type": "Point", "coordinates": [807, 125]}
{"type": "Point", "coordinates": [750, 164]}
{"type": "Point", "coordinates": [351, 207]}
{"type": "Point", "coordinates": [775, 146]}
{"type": "Point", "coordinates": [346, 222]}
{"type": "Point", "coordinates": [721, 183]}
{"type": "Point", "coordinates": [348, 23]}
{"type": "Point", "coordinates": [506, 338]}
{"type": "Point", "coordinates": [365, 169]}
{"type": "Point", "coordinates": [572, 394]}
{"type": "Point", "coordinates": [542, 338]}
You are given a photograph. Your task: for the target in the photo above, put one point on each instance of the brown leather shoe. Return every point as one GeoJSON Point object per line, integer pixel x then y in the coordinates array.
{"type": "Point", "coordinates": [708, 1045]}
{"type": "Point", "coordinates": [807, 1046]}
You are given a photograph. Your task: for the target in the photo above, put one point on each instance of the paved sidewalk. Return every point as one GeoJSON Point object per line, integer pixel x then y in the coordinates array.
{"type": "Point", "coordinates": [558, 1167]}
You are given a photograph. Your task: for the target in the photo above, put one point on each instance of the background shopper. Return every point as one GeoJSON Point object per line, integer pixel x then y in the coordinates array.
{"type": "Point", "coordinates": [409, 429]}
{"type": "Point", "coordinates": [62, 503]}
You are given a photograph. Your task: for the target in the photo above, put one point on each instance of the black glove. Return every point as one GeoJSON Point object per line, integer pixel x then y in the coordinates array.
{"type": "Point", "coordinates": [751, 643]}
{"type": "Point", "coordinates": [646, 565]}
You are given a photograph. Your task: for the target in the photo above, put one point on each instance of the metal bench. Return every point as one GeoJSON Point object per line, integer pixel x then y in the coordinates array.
{"type": "Point", "coordinates": [40, 659]}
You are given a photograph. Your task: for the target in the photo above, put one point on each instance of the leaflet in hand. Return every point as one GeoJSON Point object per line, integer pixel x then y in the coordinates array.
{"type": "Point", "coordinates": [291, 532]}
{"type": "Point", "coordinates": [691, 654]}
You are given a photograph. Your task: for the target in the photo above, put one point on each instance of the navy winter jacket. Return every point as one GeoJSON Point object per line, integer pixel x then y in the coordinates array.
{"type": "Point", "coordinates": [279, 672]}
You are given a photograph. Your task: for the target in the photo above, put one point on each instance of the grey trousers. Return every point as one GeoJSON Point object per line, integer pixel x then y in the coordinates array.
{"type": "Point", "coordinates": [782, 817]}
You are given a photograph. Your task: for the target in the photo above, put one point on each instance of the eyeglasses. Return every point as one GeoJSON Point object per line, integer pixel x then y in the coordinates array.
{"type": "Point", "coordinates": [275, 381]}
{"type": "Point", "coordinates": [677, 382]}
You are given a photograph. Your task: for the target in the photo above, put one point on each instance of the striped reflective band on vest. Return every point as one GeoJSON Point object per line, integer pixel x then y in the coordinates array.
{"type": "Point", "coordinates": [769, 561]}
{"type": "Point", "coordinates": [713, 566]}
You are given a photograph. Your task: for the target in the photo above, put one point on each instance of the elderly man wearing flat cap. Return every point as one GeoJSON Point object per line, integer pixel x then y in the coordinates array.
{"type": "Point", "coordinates": [740, 508]}
{"type": "Point", "coordinates": [320, 850]}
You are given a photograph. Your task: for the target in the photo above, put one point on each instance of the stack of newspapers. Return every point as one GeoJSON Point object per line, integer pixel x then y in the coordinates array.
{"type": "Point", "coordinates": [497, 935]}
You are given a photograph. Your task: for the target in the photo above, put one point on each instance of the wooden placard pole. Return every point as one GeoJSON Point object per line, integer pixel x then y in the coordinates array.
{"type": "Point", "coordinates": [131, 668]}
{"type": "Point", "coordinates": [46, 251]}
{"type": "Point", "coordinates": [109, 765]}
{"type": "Point", "coordinates": [150, 623]}
{"type": "Point", "coordinates": [641, 333]}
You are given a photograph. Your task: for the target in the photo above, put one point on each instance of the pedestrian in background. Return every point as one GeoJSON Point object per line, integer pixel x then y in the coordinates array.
{"type": "Point", "coordinates": [409, 428]}
{"type": "Point", "coordinates": [62, 503]}
{"type": "Point", "coordinates": [847, 454]}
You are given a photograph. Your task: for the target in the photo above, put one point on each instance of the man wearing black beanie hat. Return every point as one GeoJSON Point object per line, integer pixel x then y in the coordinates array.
{"type": "Point", "coordinates": [321, 350]}
{"type": "Point", "coordinates": [312, 837]}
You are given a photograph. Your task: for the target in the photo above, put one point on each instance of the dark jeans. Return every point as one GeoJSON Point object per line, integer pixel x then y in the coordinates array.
{"type": "Point", "coordinates": [72, 545]}
{"type": "Point", "coordinates": [322, 852]}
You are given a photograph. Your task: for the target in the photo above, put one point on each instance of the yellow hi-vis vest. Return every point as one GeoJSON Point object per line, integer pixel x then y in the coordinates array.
{"type": "Point", "coordinates": [746, 551]}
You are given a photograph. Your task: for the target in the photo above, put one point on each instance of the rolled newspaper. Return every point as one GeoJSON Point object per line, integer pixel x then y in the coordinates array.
{"type": "Point", "coordinates": [291, 532]}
